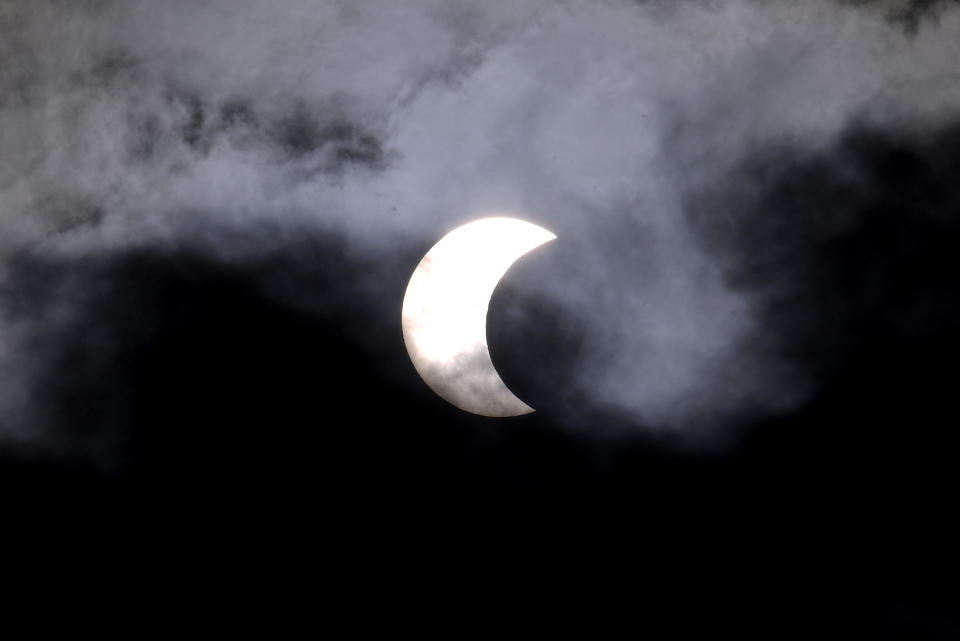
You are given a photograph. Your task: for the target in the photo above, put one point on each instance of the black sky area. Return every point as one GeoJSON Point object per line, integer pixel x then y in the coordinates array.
{"type": "Point", "coordinates": [742, 347]}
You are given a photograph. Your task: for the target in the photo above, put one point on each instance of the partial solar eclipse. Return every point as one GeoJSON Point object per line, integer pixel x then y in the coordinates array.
{"type": "Point", "coordinates": [444, 315]}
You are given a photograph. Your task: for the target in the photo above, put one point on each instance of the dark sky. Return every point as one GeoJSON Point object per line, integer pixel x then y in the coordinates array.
{"type": "Point", "coordinates": [742, 346]}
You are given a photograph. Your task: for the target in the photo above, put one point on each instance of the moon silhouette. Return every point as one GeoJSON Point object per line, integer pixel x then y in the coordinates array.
{"type": "Point", "coordinates": [444, 314]}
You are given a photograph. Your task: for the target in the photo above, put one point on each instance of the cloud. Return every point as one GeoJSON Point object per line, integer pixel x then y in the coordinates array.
{"type": "Point", "coordinates": [116, 354]}
{"type": "Point", "coordinates": [630, 130]}
{"type": "Point", "coordinates": [846, 253]}
{"type": "Point", "coordinates": [908, 14]}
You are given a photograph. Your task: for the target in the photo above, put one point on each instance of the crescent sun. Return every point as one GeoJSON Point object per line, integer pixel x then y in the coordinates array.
{"type": "Point", "coordinates": [444, 314]}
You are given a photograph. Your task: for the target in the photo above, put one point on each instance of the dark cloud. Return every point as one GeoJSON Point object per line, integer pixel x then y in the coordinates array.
{"type": "Point", "coordinates": [908, 15]}
{"type": "Point", "coordinates": [340, 142]}
{"type": "Point", "coordinates": [911, 15]}
{"type": "Point", "coordinates": [324, 134]}
{"type": "Point", "coordinates": [114, 346]}
{"type": "Point", "coordinates": [849, 253]}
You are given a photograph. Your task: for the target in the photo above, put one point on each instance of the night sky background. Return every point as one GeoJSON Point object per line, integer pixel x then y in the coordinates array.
{"type": "Point", "coordinates": [742, 347]}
